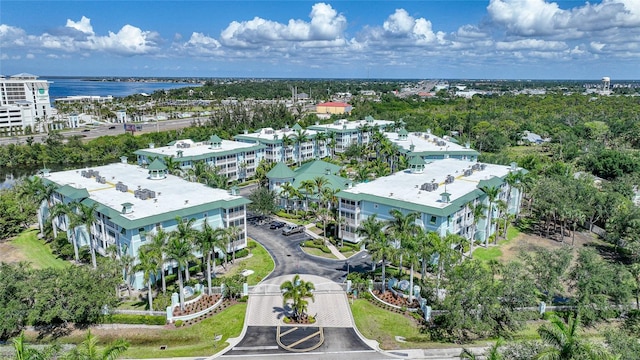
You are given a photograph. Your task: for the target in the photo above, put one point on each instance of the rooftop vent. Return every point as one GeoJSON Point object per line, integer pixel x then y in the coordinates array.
{"type": "Point", "coordinates": [468, 172]}
{"type": "Point", "coordinates": [429, 186]}
{"type": "Point", "coordinates": [121, 187]}
{"type": "Point", "coordinates": [449, 179]}
{"type": "Point", "coordinates": [101, 179]}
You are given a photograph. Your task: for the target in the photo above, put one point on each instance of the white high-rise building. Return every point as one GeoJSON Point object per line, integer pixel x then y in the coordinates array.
{"type": "Point", "coordinates": [24, 102]}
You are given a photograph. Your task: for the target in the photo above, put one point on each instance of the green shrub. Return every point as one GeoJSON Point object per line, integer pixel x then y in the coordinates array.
{"type": "Point", "coordinates": [135, 319]}
{"type": "Point", "coordinates": [243, 299]}
{"type": "Point", "coordinates": [161, 302]}
{"type": "Point", "coordinates": [242, 253]}
{"type": "Point", "coordinates": [179, 323]}
{"type": "Point", "coordinates": [325, 249]}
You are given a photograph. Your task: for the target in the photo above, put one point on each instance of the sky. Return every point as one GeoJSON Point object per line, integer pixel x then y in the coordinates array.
{"type": "Point", "coordinates": [417, 39]}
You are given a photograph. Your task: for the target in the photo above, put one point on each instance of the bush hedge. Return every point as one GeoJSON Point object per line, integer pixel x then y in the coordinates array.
{"type": "Point", "coordinates": [134, 319]}
{"type": "Point", "coordinates": [317, 244]}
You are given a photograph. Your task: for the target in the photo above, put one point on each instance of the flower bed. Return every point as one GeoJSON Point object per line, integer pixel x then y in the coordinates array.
{"type": "Point", "coordinates": [390, 298]}
{"type": "Point", "coordinates": [205, 302]}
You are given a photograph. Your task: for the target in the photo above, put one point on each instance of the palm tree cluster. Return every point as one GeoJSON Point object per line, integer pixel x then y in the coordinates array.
{"type": "Point", "coordinates": [298, 291]}
{"type": "Point", "coordinates": [178, 247]}
{"type": "Point", "coordinates": [88, 349]}
{"type": "Point", "coordinates": [402, 241]}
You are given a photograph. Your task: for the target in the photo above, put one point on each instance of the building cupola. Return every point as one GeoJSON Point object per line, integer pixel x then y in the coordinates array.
{"type": "Point", "coordinates": [215, 141]}
{"type": "Point", "coordinates": [416, 165]}
{"type": "Point", "coordinates": [157, 170]}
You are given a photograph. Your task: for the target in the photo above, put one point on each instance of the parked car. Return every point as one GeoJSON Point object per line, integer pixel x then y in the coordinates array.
{"type": "Point", "coordinates": [112, 127]}
{"type": "Point", "coordinates": [292, 229]}
{"type": "Point", "coordinates": [86, 130]}
{"type": "Point", "coordinates": [276, 225]}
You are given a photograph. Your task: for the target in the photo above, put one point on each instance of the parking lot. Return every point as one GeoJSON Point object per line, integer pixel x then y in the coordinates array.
{"type": "Point", "coordinates": [289, 257]}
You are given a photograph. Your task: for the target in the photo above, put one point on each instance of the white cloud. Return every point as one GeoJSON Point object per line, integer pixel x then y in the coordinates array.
{"type": "Point", "coordinates": [400, 30]}
{"type": "Point", "coordinates": [84, 25]}
{"type": "Point", "coordinates": [11, 36]}
{"type": "Point", "coordinates": [531, 44]}
{"type": "Point", "coordinates": [326, 26]}
{"type": "Point", "coordinates": [539, 17]}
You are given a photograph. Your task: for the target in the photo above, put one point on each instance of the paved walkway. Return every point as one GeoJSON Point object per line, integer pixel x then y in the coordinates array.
{"type": "Point", "coordinates": [331, 247]}
{"type": "Point", "coordinates": [331, 306]}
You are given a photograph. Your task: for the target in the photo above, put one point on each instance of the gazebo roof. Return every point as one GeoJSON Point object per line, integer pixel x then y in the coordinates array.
{"type": "Point", "coordinates": [157, 165]}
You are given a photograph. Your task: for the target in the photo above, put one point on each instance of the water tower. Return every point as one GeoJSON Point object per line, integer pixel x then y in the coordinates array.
{"type": "Point", "coordinates": [606, 83]}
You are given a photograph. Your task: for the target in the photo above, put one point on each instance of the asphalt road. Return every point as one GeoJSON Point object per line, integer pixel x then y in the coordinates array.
{"type": "Point", "coordinates": [290, 259]}
{"type": "Point", "coordinates": [102, 130]}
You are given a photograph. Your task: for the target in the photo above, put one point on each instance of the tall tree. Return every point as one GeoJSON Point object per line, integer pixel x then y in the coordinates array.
{"type": "Point", "coordinates": [179, 249]}
{"type": "Point", "coordinates": [298, 291]}
{"type": "Point", "coordinates": [492, 193]}
{"type": "Point", "coordinates": [300, 137]}
{"type": "Point", "coordinates": [564, 343]}
{"type": "Point", "coordinates": [376, 242]}
{"type": "Point", "coordinates": [157, 247]}
{"type": "Point", "coordinates": [147, 265]}
{"type": "Point", "coordinates": [87, 216]}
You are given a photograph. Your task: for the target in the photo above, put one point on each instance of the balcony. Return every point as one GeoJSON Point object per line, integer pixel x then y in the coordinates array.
{"type": "Point", "coordinates": [350, 207]}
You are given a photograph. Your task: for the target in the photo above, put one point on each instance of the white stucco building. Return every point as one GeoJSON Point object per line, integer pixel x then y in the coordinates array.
{"type": "Point", "coordinates": [134, 202]}
{"type": "Point", "coordinates": [24, 102]}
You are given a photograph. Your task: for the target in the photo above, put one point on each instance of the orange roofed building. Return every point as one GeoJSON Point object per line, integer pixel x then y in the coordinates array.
{"type": "Point", "coordinates": [333, 108]}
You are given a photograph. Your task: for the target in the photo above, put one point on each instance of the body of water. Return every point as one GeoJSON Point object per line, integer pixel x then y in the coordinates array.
{"type": "Point", "coordinates": [63, 87]}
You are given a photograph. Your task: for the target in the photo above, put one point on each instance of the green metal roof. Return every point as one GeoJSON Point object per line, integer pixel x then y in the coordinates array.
{"type": "Point", "coordinates": [157, 165]}
{"type": "Point", "coordinates": [280, 171]}
{"type": "Point", "coordinates": [334, 182]}
{"type": "Point", "coordinates": [215, 139]}
{"type": "Point", "coordinates": [72, 193]}
{"type": "Point", "coordinates": [403, 131]}
{"type": "Point", "coordinates": [417, 161]}
{"type": "Point", "coordinates": [297, 127]}
{"type": "Point", "coordinates": [317, 167]}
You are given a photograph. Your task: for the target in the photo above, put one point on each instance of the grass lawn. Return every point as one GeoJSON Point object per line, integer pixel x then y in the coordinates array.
{"type": "Point", "coordinates": [261, 263]}
{"type": "Point", "coordinates": [37, 251]}
{"type": "Point", "coordinates": [486, 254]}
{"type": "Point", "coordinates": [383, 326]}
{"type": "Point", "coordinates": [317, 252]}
{"type": "Point", "coordinates": [490, 253]}
{"type": "Point", "coordinates": [195, 340]}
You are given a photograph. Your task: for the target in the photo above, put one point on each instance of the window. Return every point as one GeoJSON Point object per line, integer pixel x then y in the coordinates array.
{"type": "Point", "coordinates": [433, 220]}
{"type": "Point", "coordinates": [375, 206]}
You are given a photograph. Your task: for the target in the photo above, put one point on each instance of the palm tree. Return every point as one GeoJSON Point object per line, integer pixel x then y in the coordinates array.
{"type": "Point", "coordinates": [478, 212]}
{"type": "Point", "coordinates": [401, 229]}
{"type": "Point", "coordinates": [564, 343]}
{"type": "Point", "coordinates": [87, 216]}
{"type": "Point", "coordinates": [157, 248]}
{"type": "Point", "coordinates": [321, 137]}
{"type": "Point", "coordinates": [88, 349]}
{"type": "Point", "coordinates": [127, 263]}
{"type": "Point", "coordinates": [301, 136]}
{"type": "Point", "coordinates": [179, 249]}
{"type": "Point", "coordinates": [233, 233]}
{"type": "Point", "coordinates": [206, 241]}
{"type": "Point", "coordinates": [492, 193]}
{"type": "Point", "coordinates": [321, 182]}
{"type": "Point", "coordinates": [287, 141]}
{"type": "Point", "coordinates": [287, 191]}
{"type": "Point", "coordinates": [147, 264]}
{"type": "Point", "coordinates": [297, 290]}
{"type": "Point", "coordinates": [331, 136]}
{"type": "Point", "coordinates": [307, 187]}
{"type": "Point", "coordinates": [376, 242]}
{"type": "Point", "coordinates": [70, 222]}
{"type": "Point", "coordinates": [24, 352]}
{"type": "Point", "coordinates": [173, 167]}
{"type": "Point", "coordinates": [184, 230]}
{"type": "Point", "coordinates": [447, 255]}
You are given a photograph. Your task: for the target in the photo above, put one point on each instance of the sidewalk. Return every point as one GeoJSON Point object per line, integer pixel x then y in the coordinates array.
{"type": "Point", "coordinates": [331, 247]}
